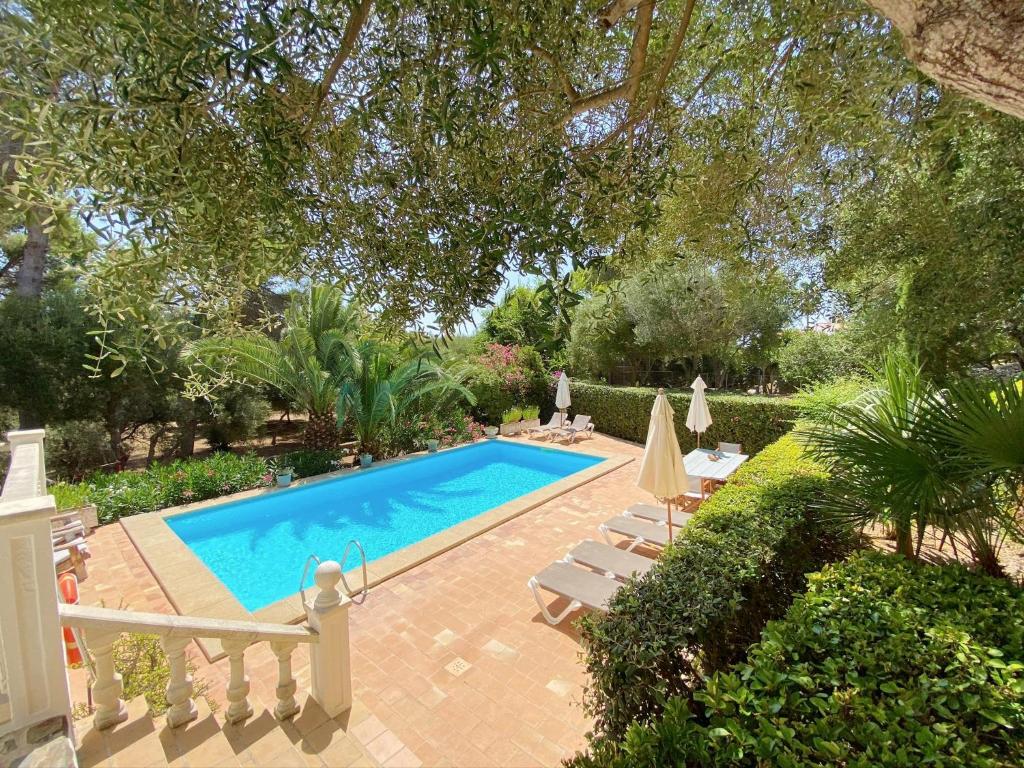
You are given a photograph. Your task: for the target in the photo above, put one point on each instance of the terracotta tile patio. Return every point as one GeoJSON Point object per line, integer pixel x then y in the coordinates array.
{"type": "Point", "coordinates": [453, 665]}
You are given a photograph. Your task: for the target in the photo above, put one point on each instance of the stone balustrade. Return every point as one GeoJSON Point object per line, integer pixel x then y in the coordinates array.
{"type": "Point", "coordinates": [33, 679]}
{"type": "Point", "coordinates": [327, 635]}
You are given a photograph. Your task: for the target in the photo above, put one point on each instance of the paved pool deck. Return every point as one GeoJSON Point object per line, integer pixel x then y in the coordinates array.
{"type": "Point", "coordinates": [517, 701]}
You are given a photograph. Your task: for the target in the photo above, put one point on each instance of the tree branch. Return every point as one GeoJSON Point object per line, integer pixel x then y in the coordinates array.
{"type": "Point", "coordinates": [610, 14]}
{"type": "Point", "coordinates": [567, 87]}
{"type": "Point", "coordinates": [628, 88]}
{"type": "Point", "coordinates": [355, 25]}
{"type": "Point", "coordinates": [972, 46]}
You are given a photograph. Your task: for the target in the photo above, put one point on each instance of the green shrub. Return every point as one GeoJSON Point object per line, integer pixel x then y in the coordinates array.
{"type": "Point", "coordinates": [237, 415]}
{"type": "Point", "coordinates": [513, 414]}
{"type": "Point", "coordinates": [504, 376]}
{"type": "Point", "coordinates": [69, 495]}
{"type": "Point", "coordinates": [735, 566]}
{"type": "Point", "coordinates": [882, 662]}
{"type": "Point", "coordinates": [122, 494]}
{"type": "Point", "coordinates": [76, 448]}
{"type": "Point", "coordinates": [310, 463]}
{"type": "Point", "coordinates": [753, 420]}
{"type": "Point", "coordinates": [808, 357]}
{"type": "Point", "coordinates": [817, 401]}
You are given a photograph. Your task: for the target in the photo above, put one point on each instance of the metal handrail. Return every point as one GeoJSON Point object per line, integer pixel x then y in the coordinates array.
{"type": "Point", "coordinates": [344, 557]}
{"type": "Point", "coordinates": [366, 584]}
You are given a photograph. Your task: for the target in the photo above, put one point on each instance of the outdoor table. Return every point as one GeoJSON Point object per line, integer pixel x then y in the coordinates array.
{"type": "Point", "coordinates": [698, 463]}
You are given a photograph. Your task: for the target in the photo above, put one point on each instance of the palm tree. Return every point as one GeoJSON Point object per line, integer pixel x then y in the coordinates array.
{"type": "Point", "coordinates": [308, 365]}
{"type": "Point", "coordinates": [912, 454]}
{"type": "Point", "coordinates": [382, 385]}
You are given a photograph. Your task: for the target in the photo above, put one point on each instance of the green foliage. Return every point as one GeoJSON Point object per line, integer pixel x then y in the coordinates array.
{"type": "Point", "coordinates": [527, 317]}
{"type": "Point", "coordinates": [819, 401]}
{"type": "Point", "coordinates": [882, 663]}
{"type": "Point", "coordinates": [504, 377]}
{"type": "Point", "coordinates": [753, 420]}
{"type": "Point", "coordinates": [121, 494]}
{"type": "Point", "coordinates": [807, 358]}
{"type": "Point", "coordinates": [511, 415]}
{"type": "Point", "coordinates": [309, 463]}
{"type": "Point", "coordinates": [236, 415]}
{"type": "Point", "coordinates": [530, 412]}
{"type": "Point", "coordinates": [692, 313]}
{"type": "Point", "coordinates": [69, 495]}
{"type": "Point", "coordinates": [307, 366]}
{"type": "Point", "coordinates": [76, 448]}
{"type": "Point", "coordinates": [912, 455]}
{"type": "Point", "coordinates": [734, 566]}
{"type": "Point", "coordinates": [930, 242]}
{"type": "Point", "coordinates": [383, 386]}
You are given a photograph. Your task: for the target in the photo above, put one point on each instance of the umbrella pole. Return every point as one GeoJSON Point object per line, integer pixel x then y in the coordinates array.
{"type": "Point", "coordinates": [668, 503]}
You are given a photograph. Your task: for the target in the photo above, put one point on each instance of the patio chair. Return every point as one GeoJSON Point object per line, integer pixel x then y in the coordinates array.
{"type": "Point", "coordinates": [611, 561]}
{"type": "Point", "coordinates": [551, 426]}
{"type": "Point", "coordinates": [730, 447]}
{"type": "Point", "coordinates": [580, 425]}
{"type": "Point", "coordinates": [639, 531]}
{"type": "Point", "coordinates": [70, 556]}
{"type": "Point", "coordinates": [582, 588]}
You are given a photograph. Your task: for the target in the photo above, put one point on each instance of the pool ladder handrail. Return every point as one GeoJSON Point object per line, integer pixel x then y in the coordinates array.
{"type": "Point", "coordinates": [344, 557]}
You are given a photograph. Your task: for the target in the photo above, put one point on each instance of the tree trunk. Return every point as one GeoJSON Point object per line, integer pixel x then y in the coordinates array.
{"type": "Point", "coordinates": [904, 542]}
{"type": "Point", "coordinates": [187, 438]}
{"type": "Point", "coordinates": [972, 46]}
{"type": "Point", "coordinates": [321, 431]}
{"type": "Point", "coordinates": [33, 260]}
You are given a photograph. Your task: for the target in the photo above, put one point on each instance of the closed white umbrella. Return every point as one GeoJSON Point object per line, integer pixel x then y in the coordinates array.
{"type": "Point", "coordinates": [698, 418]}
{"type": "Point", "coordinates": [562, 401]}
{"type": "Point", "coordinates": [661, 471]}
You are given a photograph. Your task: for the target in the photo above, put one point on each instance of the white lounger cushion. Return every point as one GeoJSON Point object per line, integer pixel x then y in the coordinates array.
{"type": "Point", "coordinates": [641, 531]}
{"type": "Point", "coordinates": [658, 514]}
{"type": "Point", "coordinates": [609, 560]}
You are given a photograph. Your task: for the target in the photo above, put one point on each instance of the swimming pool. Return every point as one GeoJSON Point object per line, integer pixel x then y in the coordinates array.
{"type": "Point", "coordinates": [257, 547]}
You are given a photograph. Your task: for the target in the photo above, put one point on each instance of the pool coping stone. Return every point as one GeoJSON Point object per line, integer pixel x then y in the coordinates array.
{"type": "Point", "coordinates": [193, 589]}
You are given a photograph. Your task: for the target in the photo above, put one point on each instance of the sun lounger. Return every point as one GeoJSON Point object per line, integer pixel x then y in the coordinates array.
{"type": "Point", "coordinates": [583, 589]}
{"type": "Point", "coordinates": [554, 424]}
{"type": "Point", "coordinates": [580, 425]}
{"type": "Point", "coordinates": [70, 556]}
{"type": "Point", "coordinates": [611, 561]}
{"type": "Point", "coordinates": [680, 515]}
{"type": "Point", "coordinates": [640, 531]}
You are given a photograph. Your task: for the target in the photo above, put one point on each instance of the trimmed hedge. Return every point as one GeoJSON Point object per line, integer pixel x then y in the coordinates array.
{"type": "Point", "coordinates": [732, 569]}
{"type": "Point", "coordinates": [753, 420]}
{"type": "Point", "coordinates": [882, 662]}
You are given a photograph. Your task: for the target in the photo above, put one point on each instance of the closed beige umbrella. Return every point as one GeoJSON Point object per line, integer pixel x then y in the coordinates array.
{"type": "Point", "coordinates": [698, 417]}
{"type": "Point", "coordinates": [562, 400]}
{"type": "Point", "coordinates": [661, 471]}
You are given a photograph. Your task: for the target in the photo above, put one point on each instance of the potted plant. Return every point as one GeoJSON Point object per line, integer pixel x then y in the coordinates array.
{"type": "Point", "coordinates": [531, 418]}
{"type": "Point", "coordinates": [510, 421]}
{"type": "Point", "coordinates": [491, 432]}
{"type": "Point", "coordinates": [283, 476]}
{"type": "Point", "coordinates": [365, 459]}
{"type": "Point", "coordinates": [432, 445]}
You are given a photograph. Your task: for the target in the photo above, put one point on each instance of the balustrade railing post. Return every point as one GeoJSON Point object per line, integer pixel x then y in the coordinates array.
{"type": "Point", "coordinates": [107, 690]}
{"type": "Point", "coordinates": [286, 703]}
{"type": "Point", "coordinates": [179, 686]}
{"type": "Point", "coordinates": [330, 663]}
{"type": "Point", "coordinates": [239, 707]}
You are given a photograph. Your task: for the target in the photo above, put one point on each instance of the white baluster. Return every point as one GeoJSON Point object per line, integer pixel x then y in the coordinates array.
{"type": "Point", "coordinates": [239, 707]}
{"type": "Point", "coordinates": [286, 703]}
{"type": "Point", "coordinates": [179, 687]}
{"type": "Point", "coordinates": [106, 692]}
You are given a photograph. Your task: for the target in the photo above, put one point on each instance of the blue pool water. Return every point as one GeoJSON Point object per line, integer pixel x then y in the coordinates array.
{"type": "Point", "coordinates": [258, 546]}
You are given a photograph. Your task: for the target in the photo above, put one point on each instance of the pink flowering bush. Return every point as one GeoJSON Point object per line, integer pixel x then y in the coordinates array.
{"type": "Point", "coordinates": [507, 375]}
